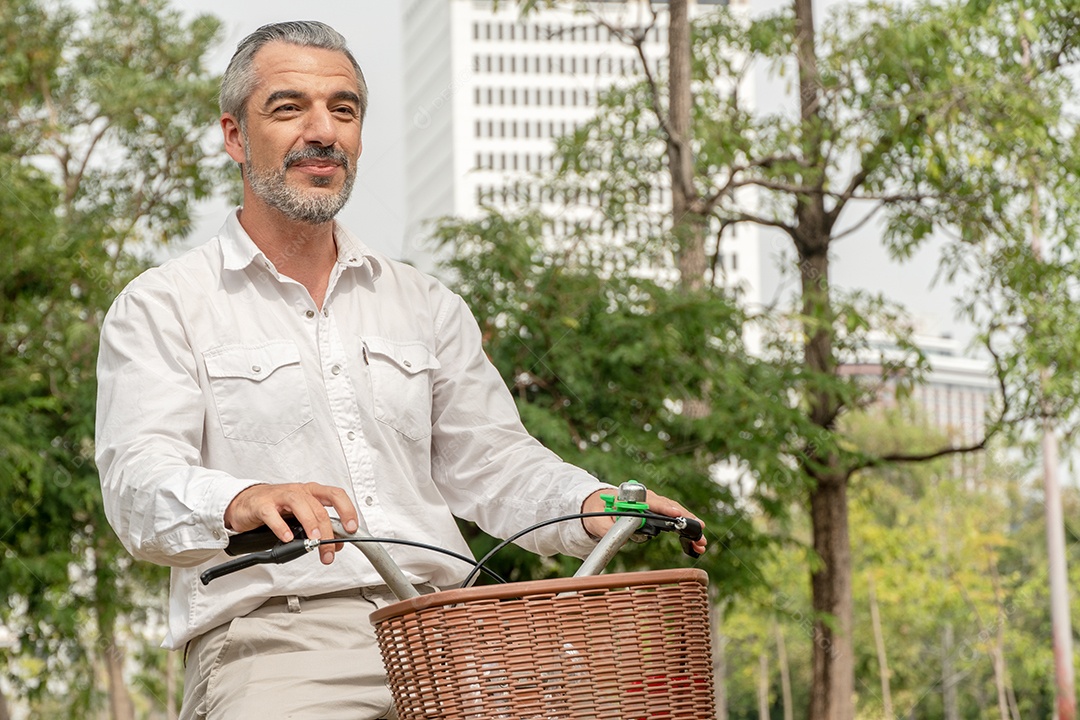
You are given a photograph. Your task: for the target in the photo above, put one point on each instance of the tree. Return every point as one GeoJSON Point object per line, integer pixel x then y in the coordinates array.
{"type": "Point", "coordinates": [912, 116]}
{"type": "Point", "coordinates": [102, 154]}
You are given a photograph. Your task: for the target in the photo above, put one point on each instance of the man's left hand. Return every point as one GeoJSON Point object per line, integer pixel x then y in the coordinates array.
{"type": "Point", "coordinates": [597, 526]}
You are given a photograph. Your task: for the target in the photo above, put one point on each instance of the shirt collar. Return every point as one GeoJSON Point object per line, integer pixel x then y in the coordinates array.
{"type": "Point", "coordinates": [239, 250]}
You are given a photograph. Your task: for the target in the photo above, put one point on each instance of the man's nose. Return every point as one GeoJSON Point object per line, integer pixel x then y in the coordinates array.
{"type": "Point", "coordinates": [319, 128]}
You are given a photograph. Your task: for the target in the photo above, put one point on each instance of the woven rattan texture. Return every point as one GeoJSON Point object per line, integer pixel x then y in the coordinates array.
{"type": "Point", "coordinates": [634, 645]}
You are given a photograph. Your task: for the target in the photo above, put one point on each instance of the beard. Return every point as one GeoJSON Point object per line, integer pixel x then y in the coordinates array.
{"type": "Point", "coordinates": [298, 204]}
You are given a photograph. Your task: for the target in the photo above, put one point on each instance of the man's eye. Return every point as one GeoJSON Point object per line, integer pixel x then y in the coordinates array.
{"type": "Point", "coordinates": [286, 108]}
{"type": "Point", "coordinates": [346, 110]}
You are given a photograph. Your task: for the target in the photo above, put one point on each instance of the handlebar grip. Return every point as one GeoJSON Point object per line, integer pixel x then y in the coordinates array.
{"type": "Point", "coordinates": [691, 533]}
{"type": "Point", "coordinates": [261, 538]}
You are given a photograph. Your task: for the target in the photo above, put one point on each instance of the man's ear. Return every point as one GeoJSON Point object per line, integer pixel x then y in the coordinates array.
{"type": "Point", "coordinates": [234, 137]}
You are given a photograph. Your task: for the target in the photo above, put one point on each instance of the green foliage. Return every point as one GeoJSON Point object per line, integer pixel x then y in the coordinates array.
{"type": "Point", "coordinates": [104, 114]}
{"type": "Point", "coordinates": [946, 119]}
{"type": "Point", "coordinates": [605, 368]}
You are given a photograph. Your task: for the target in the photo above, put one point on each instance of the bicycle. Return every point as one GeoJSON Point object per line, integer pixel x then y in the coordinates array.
{"type": "Point", "coordinates": [622, 646]}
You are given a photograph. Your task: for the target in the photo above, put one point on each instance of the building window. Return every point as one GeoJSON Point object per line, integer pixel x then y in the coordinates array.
{"type": "Point", "coordinates": [477, 128]}
{"type": "Point", "coordinates": [476, 96]}
{"type": "Point", "coordinates": [487, 31]}
{"type": "Point", "coordinates": [476, 63]}
{"type": "Point", "coordinates": [476, 31]}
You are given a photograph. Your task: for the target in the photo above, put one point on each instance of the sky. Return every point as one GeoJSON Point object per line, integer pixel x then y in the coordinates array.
{"type": "Point", "coordinates": [376, 211]}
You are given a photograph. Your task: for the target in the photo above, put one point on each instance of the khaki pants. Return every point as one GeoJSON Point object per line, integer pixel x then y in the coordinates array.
{"type": "Point", "coordinates": [292, 658]}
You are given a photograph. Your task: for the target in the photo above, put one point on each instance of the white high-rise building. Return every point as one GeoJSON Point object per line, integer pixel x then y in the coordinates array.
{"type": "Point", "coordinates": [957, 390]}
{"type": "Point", "coordinates": [487, 92]}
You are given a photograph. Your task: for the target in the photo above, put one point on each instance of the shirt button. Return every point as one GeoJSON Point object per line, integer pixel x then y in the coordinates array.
{"type": "Point", "coordinates": [351, 435]}
{"type": "Point", "coordinates": [406, 363]}
{"type": "Point", "coordinates": [369, 501]}
{"type": "Point", "coordinates": [336, 369]}
{"type": "Point", "coordinates": [217, 535]}
{"type": "Point", "coordinates": [326, 313]}
{"type": "Point", "coordinates": [310, 314]}
{"type": "Point", "coordinates": [256, 369]}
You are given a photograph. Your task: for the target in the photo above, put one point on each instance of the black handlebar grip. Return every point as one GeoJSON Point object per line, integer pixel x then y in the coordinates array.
{"type": "Point", "coordinates": [261, 538]}
{"type": "Point", "coordinates": [689, 535]}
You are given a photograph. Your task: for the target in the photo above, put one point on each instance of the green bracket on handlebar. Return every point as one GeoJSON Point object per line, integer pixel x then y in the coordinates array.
{"type": "Point", "coordinates": [613, 504]}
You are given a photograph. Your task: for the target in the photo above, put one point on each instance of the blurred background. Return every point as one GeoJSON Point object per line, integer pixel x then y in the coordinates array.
{"type": "Point", "coordinates": [808, 267]}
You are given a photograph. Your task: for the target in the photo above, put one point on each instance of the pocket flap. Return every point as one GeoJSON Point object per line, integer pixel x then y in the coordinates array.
{"type": "Point", "coordinates": [251, 362]}
{"type": "Point", "coordinates": [410, 357]}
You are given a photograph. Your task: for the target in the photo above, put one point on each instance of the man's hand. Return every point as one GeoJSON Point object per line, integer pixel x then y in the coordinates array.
{"type": "Point", "coordinates": [597, 526]}
{"type": "Point", "coordinates": [307, 502]}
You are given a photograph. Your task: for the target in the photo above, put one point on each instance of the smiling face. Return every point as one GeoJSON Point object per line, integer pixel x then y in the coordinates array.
{"type": "Point", "coordinates": [301, 138]}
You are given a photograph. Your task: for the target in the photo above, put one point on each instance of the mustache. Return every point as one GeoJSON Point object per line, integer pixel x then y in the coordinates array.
{"type": "Point", "coordinates": [316, 153]}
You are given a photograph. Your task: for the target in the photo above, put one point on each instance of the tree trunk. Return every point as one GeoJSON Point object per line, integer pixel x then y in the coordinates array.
{"type": "Point", "coordinates": [5, 714]}
{"type": "Point", "coordinates": [719, 662]}
{"type": "Point", "coordinates": [110, 651]}
{"type": "Point", "coordinates": [763, 687]}
{"type": "Point", "coordinates": [1060, 615]}
{"type": "Point", "coordinates": [1001, 674]}
{"type": "Point", "coordinates": [948, 674]}
{"type": "Point", "coordinates": [688, 224]}
{"type": "Point", "coordinates": [832, 689]}
{"type": "Point", "coordinates": [170, 686]}
{"type": "Point", "coordinates": [785, 671]}
{"type": "Point", "coordinates": [120, 705]}
{"type": "Point", "coordinates": [879, 642]}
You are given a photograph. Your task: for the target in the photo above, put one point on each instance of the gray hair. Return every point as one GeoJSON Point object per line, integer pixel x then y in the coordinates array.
{"type": "Point", "coordinates": [238, 82]}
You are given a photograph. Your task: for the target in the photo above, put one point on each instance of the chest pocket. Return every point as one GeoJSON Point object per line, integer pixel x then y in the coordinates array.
{"type": "Point", "coordinates": [259, 391]}
{"type": "Point", "coordinates": [401, 384]}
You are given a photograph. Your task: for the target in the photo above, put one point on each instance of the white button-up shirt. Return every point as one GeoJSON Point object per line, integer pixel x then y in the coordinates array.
{"type": "Point", "coordinates": [216, 373]}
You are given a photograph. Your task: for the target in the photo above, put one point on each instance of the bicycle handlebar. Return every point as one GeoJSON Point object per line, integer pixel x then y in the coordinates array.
{"type": "Point", "coordinates": [261, 545]}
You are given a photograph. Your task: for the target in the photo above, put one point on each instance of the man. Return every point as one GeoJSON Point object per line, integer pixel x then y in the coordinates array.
{"type": "Point", "coordinates": [285, 369]}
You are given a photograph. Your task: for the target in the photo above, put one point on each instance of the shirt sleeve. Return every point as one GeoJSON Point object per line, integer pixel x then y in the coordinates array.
{"type": "Point", "coordinates": [488, 467]}
{"type": "Point", "coordinates": [164, 507]}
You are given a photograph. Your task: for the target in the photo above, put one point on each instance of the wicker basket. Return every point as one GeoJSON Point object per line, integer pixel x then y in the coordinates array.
{"type": "Point", "coordinates": [622, 646]}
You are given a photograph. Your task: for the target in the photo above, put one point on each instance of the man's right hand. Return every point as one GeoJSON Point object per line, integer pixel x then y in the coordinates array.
{"type": "Point", "coordinates": [307, 502]}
